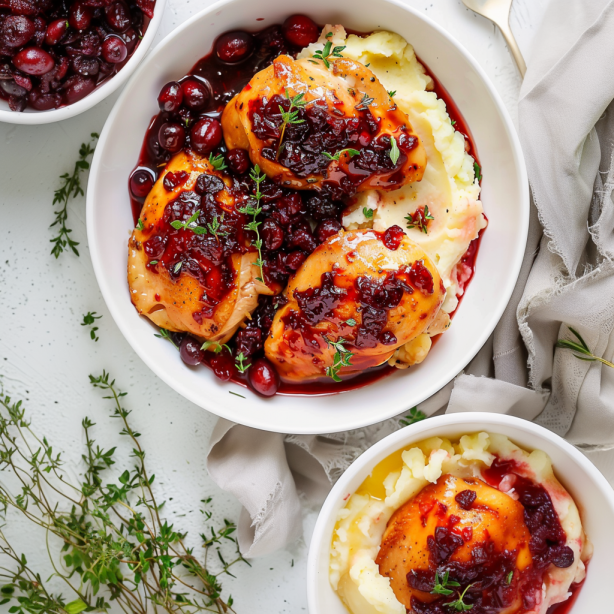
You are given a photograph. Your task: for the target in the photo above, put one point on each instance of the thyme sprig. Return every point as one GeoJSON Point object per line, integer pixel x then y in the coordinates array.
{"type": "Point", "coordinates": [342, 358]}
{"type": "Point", "coordinates": [349, 151]}
{"type": "Point", "coordinates": [190, 224]}
{"type": "Point", "coordinates": [71, 187]}
{"type": "Point", "coordinates": [365, 103]}
{"type": "Point", "coordinates": [253, 208]}
{"type": "Point", "coordinates": [419, 219]}
{"type": "Point", "coordinates": [442, 583]}
{"type": "Point", "coordinates": [368, 213]}
{"type": "Point", "coordinates": [290, 116]}
{"type": "Point", "coordinates": [88, 320]}
{"type": "Point", "coordinates": [240, 361]}
{"type": "Point", "coordinates": [214, 346]}
{"type": "Point", "coordinates": [478, 171]}
{"type": "Point", "coordinates": [328, 52]}
{"type": "Point", "coordinates": [218, 162]}
{"type": "Point", "coordinates": [117, 550]}
{"type": "Point", "coordinates": [165, 334]}
{"type": "Point", "coordinates": [581, 349]}
{"type": "Point", "coordinates": [459, 605]}
{"type": "Point", "coordinates": [415, 415]}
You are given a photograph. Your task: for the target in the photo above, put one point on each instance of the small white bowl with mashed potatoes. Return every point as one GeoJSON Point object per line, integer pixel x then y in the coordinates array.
{"type": "Point", "coordinates": [484, 502]}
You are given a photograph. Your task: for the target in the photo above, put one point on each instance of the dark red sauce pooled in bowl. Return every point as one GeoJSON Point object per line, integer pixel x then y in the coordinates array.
{"type": "Point", "coordinates": [294, 223]}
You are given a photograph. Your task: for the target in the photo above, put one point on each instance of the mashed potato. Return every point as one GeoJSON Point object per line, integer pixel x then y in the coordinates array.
{"type": "Point", "coordinates": [362, 523]}
{"type": "Point", "coordinates": [448, 188]}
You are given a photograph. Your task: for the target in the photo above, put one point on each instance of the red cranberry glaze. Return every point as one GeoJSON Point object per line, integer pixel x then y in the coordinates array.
{"type": "Point", "coordinates": [54, 53]}
{"type": "Point", "coordinates": [287, 217]}
{"type": "Point", "coordinates": [488, 573]}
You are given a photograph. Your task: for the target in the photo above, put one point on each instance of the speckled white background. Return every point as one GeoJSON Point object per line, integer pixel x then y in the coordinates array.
{"type": "Point", "coordinates": [46, 356]}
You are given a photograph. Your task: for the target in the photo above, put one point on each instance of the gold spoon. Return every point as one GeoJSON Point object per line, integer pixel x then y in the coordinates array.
{"type": "Point", "coordinates": [498, 11]}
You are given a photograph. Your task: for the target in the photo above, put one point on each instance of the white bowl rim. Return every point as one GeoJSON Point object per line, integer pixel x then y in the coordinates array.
{"type": "Point", "coordinates": [247, 420]}
{"type": "Point", "coordinates": [492, 422]}
{"type": "Point", "coordinates": [33, 117]}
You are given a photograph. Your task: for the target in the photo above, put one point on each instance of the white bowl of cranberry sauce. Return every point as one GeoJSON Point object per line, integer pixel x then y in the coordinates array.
{"type": "Point", "coordinates": [163, 141]}
{"type": "Point", "coordinates": [59, 58]}
{"type": "Point", "coordinates": [554, 485]}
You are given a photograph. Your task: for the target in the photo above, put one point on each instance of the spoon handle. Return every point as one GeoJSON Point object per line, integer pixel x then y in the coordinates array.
{"type": "Point", "coordinates": [513, 46]}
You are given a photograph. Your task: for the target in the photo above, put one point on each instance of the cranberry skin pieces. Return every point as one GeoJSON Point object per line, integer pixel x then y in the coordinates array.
{"type": "Point", "coordinates": [141, 182]}
{"type": "Point", "coordinates": [114, 50]}
{"type": "Point", "coordinates": [34, 61]}
{"type": "Point", "coordinates": [16, 31]}
{"type": "Point", "coordinates": [195, 94]}
{"type": "Point", "coordinates": [263, 378]}
{"type": "Point", "coordinates": [421, 278]}
{"type": "Point", "coordinates": [205, 135]}
{"type": "Point", "coordinates": [118, 16]}
{"type": "Point", "coordinates": [233, 47]}
{"type": "Point", "coordinates": [326, 229]}
{"type": "Point", "coordinates": [466, 498]}
{"type": "Point", "coordinates": [80, 16]}
{"type": "Point", "coordinates": [299, 30]}
{"type": "Point", "coordinates": [171, 137]}
{"type": "Point", "coordinates": [295, 259]}
{"type": "Point", "coordinates": [272, 235]}
{"type": "Point", "coordinates": [190, 351]}
{"type": "Point", "coordinates": [55, 31]}
{"type": "Point", "coordinates": [238, 161]}
{"type": "Point", "coordinates": [392, 237]}
{"type": "Point", "coordinates": [170, 97]}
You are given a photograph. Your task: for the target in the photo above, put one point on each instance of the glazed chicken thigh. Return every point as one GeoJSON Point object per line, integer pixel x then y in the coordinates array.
{"type": "Point", "coordinates": [357, 297]}
{"type": "Point", "coordinates": [188, 270]}
{"type": "Point", "coordinates": [315, 125]}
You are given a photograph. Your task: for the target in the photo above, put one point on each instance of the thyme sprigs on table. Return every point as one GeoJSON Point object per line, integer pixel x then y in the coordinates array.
{"type": "Point", "coordinates": [253, 208]}
{"type": "Point", "coordinates": [581, 349]}
{"type": "Point", "coordinates": [71, 187]}
{"type": "Point", "coordinates": [415, 415]}
{"type": "Point", "coordinates": [116, 548]}
{"type": "Point", "coordinates": [88, 320]}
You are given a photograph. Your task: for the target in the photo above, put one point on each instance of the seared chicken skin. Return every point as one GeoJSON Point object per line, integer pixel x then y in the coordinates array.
{"type": "Point", "coordinates": [357, 297]}
{"type": "Point", "coordinates": [197, 276]}
{"type": "Point", "coordinates": [452, 523]}
{"type": "Point", "coordinates": [339, 131]}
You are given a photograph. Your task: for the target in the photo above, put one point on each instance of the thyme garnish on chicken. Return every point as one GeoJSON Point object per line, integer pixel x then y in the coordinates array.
{"type": "Point", "coordinates": [328, 52]}
{"type": "Point", "coordinates": [290, 116]}
{"type": "Point", "coordinates": [394, 150]}
{"type": "Point", "coordinates": [350, 152]}
{"type": "Point", "coordinates": [253, 208]}
{"type": "Point", "coordinates": [342, 358]}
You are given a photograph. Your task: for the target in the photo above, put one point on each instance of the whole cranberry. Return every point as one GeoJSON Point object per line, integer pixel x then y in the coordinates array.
{"type": "Point", "coordinates": [82, 65]}
{"type": "Point", "coordinates": [223, 366]}
{"type": "Point", "coordinates": [16, 31]}
{"type": "Point", "coordinates": [392, 237]}
{"type": "Point", "coordinates": [190, 351]}
{"type": "Point", "coordinates": [43, 102]}
{"type": "Point", "coordinates": [170, 97]}
{"type": "Point", "coordinates": [195, 94]}
{"type": "Point", "coordinates": [114, 50]}
{"type": "Point", "coordinates": [303, 239]}
{"type": "Point", "coordinates": [238, 161]}
{"type": "Point", "coordinates": [118, 16]}
{"type": "Point", "coordinates": [80, 15]}
{"type": "Point", "coordinates": [327, 228]}
{"type": "Point", "coordinates": [272, 234]}
{"type": "Point", "coordinates": [205, 135]}
{"type": "Point", "coordinates": [295, 259]}
{"type": "Point", "coordinates": [10, 88]}
{"type": "Point", "coordinates": [234, 47]}
{"type": "Point", "coordinates": [141, 182]}
{"type": "Point", "coordinates": [263, 378]}
{"type": "Point", "coordinates": [55, 31]}
{"type": "Point", "coordinates": [300, 30]}
{"type": "Point", "coordinates": [77, 87]}
{"type": "Point", "coordinates": [171, 136]}
{"type": "Point", "coordinates": [34, 61]}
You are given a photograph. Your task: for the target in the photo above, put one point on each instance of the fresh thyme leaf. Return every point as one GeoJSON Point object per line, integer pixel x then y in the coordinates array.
{"type": "Point", "coordinates": [364, 103]}
{"type": "Point", "coordinates": [236, 395]}
{"type": "Point", "coordinates": [342, 357]}
{"type": "Point", "coordinates": [153, 262]}
{"type": "Point", "coordinates": [164, 334]}
{"type": "Point", "coordinates": [240, 363]}
{"type": "Point", "coordinates": [419, 219]}
{"type": "Point", "coordinates": [581, 349]}
{"type": "Point", "coordinates": [88, 320]}
{"type": "Point", "coordinates": [139, 224]}
{"type": "Point", "coordinates": [214, 347]}
{"type": "Point", "coordinates": [368, 213]}
{"type": "Point", "coordinates": [111, 547]}
{"type": "Point", "coordinates": [415, 415]}
{"type": "Point", "coordinates": [351, 322]}
{"type": "Point", "coordinates": [510, 576]}
{"type": "Point", "coordinates": [190, 224]}
{"type": "Point", "coordinates": [394, 150]}
{"type": "Point", "coordinates": [328, 52]}
{"type": "Point", "coordinates": [392, 93]}
{"type": "Point", "coordinates": [253, 208]}
{"type": "Point", "coordinates": [441, 584]}
{"type": "Point", "coordinates": [215, 225]}
{"type": "Point", "coordinates": [71, 187]}
{"type": "Point", "coordinates": [349, 151]}
{"type": "Point", "coordinates": [478, 171]}
{"type": "Point", "coordinates": [454, 122]}
{"type": "Point", "coordinates": [177, 267]}
{"type": "Point", "coordinates": [459, 605]}
{"type": "Point", "coordinates": [218, 162]}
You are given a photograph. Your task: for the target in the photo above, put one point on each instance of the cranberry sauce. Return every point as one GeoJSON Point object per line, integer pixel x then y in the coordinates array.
{"type": "Point", "coordinates": [490, 581]}
{"type": "Point", "coordinates": [190, 109]}
{"type": "Point", "coordinates": [55, 52]}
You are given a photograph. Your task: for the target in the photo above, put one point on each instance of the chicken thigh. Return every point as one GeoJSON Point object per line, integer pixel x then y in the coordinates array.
{"type": "Point", "coordinates": [357, 297]}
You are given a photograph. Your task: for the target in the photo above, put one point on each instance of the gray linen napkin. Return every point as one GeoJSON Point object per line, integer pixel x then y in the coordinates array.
{"type": "Point", "coordinates": [566, 119]}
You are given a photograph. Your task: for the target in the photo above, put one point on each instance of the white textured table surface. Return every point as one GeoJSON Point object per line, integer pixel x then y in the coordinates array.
{"type": "Point", "coordinates": [46, 356]}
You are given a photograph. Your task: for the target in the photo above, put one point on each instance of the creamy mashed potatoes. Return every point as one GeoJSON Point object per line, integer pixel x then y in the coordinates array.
{"type": "Point", "coordinates": [370, 530]}
{"type": "Point", "coordinates": [449, 188]}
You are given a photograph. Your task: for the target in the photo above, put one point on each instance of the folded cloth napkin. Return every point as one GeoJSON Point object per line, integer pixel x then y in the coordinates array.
{"type": "Point", "coordinates": [566, 120]}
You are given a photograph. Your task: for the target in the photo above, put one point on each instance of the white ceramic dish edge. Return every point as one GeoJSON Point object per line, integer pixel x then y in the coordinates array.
{"type": "Point", "coordinates": [32, 117]}
{"type": "Point", "coordinates": [573, 468]}
{"type": "Point", "coordinates": [230, 408]}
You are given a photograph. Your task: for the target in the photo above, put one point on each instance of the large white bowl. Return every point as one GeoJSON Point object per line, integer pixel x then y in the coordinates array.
{"type": "Point", "coordinates": [590, 490]}
{"type": "Point", "coordinates": [505, 197]}
{"type": "Point", "coordinates": [33, 117]}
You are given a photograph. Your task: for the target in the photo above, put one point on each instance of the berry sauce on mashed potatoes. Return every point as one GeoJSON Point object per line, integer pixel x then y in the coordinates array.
{"type": "Point", "coordinates": [476, 524]}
